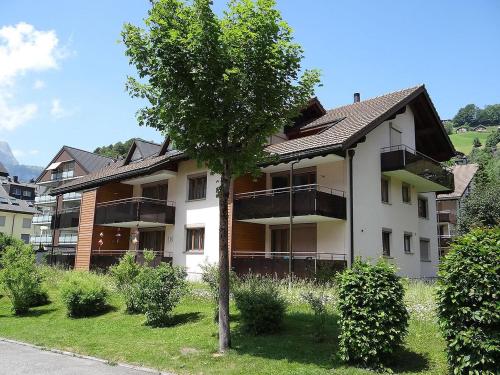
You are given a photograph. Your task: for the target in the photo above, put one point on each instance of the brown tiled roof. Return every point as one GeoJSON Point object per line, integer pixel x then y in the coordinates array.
{"type": "Point", "coordinates": [117, 171]}
{"type": "Point", "coordinates": [463, 175]}
{"type": "Point", "coordinates": [347, 121]}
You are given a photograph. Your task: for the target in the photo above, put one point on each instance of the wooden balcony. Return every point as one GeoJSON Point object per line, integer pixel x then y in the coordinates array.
{"type": "Point", "coordinates": [447, 217]}
{"type": "Point", "coordinates": [135, 212]}
{"type": "Point", "coordinates": [311, 203]}
{"type": "Point", "coordinates": [417, 169]}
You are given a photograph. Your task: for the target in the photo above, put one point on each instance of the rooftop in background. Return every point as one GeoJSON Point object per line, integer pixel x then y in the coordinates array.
{"type": "Point", "coordinates": [8, 203]}
{"type": "Point", "coordinates": [463, 175]}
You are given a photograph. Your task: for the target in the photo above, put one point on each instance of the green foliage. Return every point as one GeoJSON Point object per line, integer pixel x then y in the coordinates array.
{"type": "Point", "coordinates": [159, 290]}
{"type": "Point", "coordinates": [468, 307]}
{"type": "Point", "coordinates": [262, 307]}
{"type": "Point", "coordinates": [219, 86]}
{"type": "Point", "coordinates": [117, 150]}
{"type": "Point", "coordinates": [490, 115]}
{"type": "Point", "coordinates": [211, 276]}
{"type": "Point", "coordinates": [493, 138]}
{"type": "Point", "coordinates": [84, 294]}
{"type": "Point", "coordinates": [20, 278]}
{"type": "Point", "coordinates": [6, 240]}
{"type": "Point", "coordinates": [481, 208]}
{"type": "Point", "coordinates": [448, 126]}
{"type": "Point", "coordinates": [476, 143]}
{"type": "Point", "coordinates": [126, 271]}
{"type": "Point", "coordinates": [373, 316]}
{"type": "Point", "coordinates": [318, 302]}
{"type": "Point", "coordinates": [467, 115]}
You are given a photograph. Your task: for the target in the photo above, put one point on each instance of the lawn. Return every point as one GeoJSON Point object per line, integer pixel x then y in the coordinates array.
{"type": "Point", "coordinates": [189, 346]}
{"type": "Point", "coordinates": [463, 141]}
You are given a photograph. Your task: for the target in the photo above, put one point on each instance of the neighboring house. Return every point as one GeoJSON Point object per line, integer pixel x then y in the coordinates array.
{"type": "Point", "coordinates": [58, 216]}
{"type": "Point", "coordinates": [448, 205]}
{"type": "Point", "coordinates": [364, 179]}
{"type": "Point", "coordinates": [480, 129]}
{"type": "Point", "coordinates": [461, 129]}
{"type": "Point", "coordinates": [15, 214]}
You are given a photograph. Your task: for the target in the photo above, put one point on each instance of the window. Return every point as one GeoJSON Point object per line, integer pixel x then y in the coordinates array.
{"type": "Point", "coordinates": [2, 221]}
{"type": "Point", "coordinates": [27, 193]}
{"type": "Point", "coordinates": [25, 238]}
{"type": "Point", "coordinates": [16, 191]}
{"type": "Point", "coordinates": [300, 178]}
{"type": "Point", "coordinates": [26, 223]}
{"type": "Point", "coordinates": [423, 208]}
{"type": "Point", "coordinates": [385, 190]}
{"type": "Point", "coordinates": [152, 240]}
{"type": "Point", "coordinates": [425, 250]}
{"type": "Point", "coordinates": [386, 242]}
{"type": "Point", "coordinates": [195, 239]}
{"type": "Point", "coordinates": [406, 192]}
{"type": "Point", "coordinates": [407, 242]}
{"type": "Point", "coordinates": [197, 187]}
{"type": "Point", "coordinates": [155, 192]}
{"type": "Point", "coordinates": [279, 240]}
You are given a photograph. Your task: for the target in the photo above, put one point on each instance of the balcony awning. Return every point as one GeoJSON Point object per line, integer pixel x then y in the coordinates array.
{"type": "Point", "coordinates": [53, 166]}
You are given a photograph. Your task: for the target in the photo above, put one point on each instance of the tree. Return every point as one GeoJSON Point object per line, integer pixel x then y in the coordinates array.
{"type": "Point", "coordinates": [490, 115]}
{"type": "Point", "coordinates": [220, 87]}
{"type": "Point", "coordinates": [476, 142]}
{"type": "Point", "coordinates": [467, 115]}
{"type": "Point", "coordinates": [117, 150]}
{"type": "Point", "coordinates": [493, 139]}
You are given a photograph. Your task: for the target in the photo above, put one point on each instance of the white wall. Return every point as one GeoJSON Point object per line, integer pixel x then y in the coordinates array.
{"type": "Point", "coordinates": [201, 212]}
{"type": "Point", "coordinates": [428, 229]}
{"type": "Point", "coordinates": [371, 215]}
{"type": "Point", "coordinates": [14, 224]}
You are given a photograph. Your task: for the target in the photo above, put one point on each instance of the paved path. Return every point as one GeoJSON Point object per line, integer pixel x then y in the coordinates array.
{"type": "Point", "coordinates": [19, 359]}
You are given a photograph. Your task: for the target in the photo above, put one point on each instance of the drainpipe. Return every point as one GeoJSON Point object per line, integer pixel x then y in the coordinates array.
{"type": "Point", "coordinates": [12, 227]}
{"type": "Point", "coordinates": [351, 209]}
{"type": "Point", "coordinates": [290, 247]}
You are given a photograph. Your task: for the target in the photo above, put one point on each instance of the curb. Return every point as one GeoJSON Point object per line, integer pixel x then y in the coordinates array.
{"type": "Point", "coordinates": [81, 356]}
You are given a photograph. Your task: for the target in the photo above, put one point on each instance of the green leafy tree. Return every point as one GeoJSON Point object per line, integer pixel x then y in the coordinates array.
{"type": "Point", "coordinates": [220, 87]}
{"type": "Point", "coordinates": [493, 139]}
{"type": "Point", "coordinates": [476, 142]}
{"type": "Point", "coordinates": [117, 150]}
{"type": "Point", "coordinates": [490, 115]}
{"type": "Point", "coordinates": [467, 115]}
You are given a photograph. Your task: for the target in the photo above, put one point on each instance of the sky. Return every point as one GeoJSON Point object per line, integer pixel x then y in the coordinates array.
{"type": "Point", "coordinates": [63, 70]}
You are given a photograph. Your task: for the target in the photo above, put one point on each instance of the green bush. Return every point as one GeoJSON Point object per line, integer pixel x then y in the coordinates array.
{"type": "Point", "coordinates": [21, 278]}
{"type": "Point", "coordinates": [373, 316]}
{"type": "Point", "coordinates": [468, 302]}
{"type": "Point", "coordinates": [262, 307]}
{"type": "Point", "coordinates": [318, 302]}
{"type": "Point", "coordinates": [84, 294]}
{"type": "Point", "coordinates": [210, 275]}
{"type": "Point", "coordinates": [126, 271]}
{"type": "Point", "coordinates": [158, 290]}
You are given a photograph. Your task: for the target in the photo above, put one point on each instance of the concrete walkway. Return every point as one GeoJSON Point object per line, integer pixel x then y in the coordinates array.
{"type": "Point", "coordinates": [22, 359]}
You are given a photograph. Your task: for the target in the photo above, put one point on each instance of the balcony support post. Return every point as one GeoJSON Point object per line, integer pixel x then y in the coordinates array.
{"type": "Point", "coordinates": [351, 208]}
{"type": "Point", "coordinates": [290, 246]}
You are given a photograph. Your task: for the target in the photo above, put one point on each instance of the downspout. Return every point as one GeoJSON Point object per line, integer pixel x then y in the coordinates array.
{"type": "Point", "coordinates": [351, 206]}
{"type": "Point", "coordinates": [12, 227]}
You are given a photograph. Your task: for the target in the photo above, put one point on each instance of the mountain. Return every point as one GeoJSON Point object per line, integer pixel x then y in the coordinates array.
{"type": "Point", "coordinates": [24, 172]}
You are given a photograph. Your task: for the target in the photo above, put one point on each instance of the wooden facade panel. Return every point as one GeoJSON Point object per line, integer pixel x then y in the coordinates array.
{"type": "Point", "coordinates": [85, 230]}
{"type": "Point", "coordinates": [248, 183]}
{"type": "Point", "coordinates": [110, 239]}
{"type": "Point", "coordinates": [113, 191]}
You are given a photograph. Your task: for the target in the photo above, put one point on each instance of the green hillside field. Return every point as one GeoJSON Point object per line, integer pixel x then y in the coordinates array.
{"type": "Point", "coordinates": [463, 141]}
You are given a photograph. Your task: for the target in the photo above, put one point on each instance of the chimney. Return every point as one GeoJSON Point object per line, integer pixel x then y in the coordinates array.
{"type": "Point", "coordinates": [16, 179]}
{"type": "Point", "coordinates": [357, 97]}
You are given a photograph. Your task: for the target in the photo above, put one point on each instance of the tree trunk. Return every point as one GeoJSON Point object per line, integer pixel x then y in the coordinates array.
{"type": "Point", "coordinates": [224, 331]}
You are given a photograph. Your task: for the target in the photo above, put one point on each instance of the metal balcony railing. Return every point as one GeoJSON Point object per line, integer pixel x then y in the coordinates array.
{"type": "Point", "coordinates": [43, 240]}
{"type": "Point", "coordinates": [402, 157]}
{"type": "Point", "coordinates": [138, 209]}
{"type": "Point", "coordinates": [45, 199]}
{"type": "Point", "coordinates": [40, 219]}
{"type": "Point", "coordinates": [72, 196]}
{"type": "Point", "coordinates": [68, 239]}
{"type": "Point", "coordinates": [310, 199]}
{"type": "Point", "coordinates": [62, 175]}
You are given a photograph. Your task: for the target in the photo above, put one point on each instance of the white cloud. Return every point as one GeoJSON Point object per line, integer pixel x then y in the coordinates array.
{"type": "Point", "coordinates": [22, 153]}
{"type": "Point", "coordinates": [58, 111]}
{"type": "Point", "coordinates": [23, 49]}
{"type": "Point", "coordinates": [39, 84]}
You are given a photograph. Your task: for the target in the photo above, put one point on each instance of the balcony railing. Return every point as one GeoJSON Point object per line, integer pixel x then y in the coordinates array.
{"type": "Point", "coordinates": [307, 200]}
{"type": "Point", "coordinates": [40, 219]}
{"type": "Point", "coordinates": [68, 239]}
{"type": "Point", "coordinates": [67, 218]}
{"type": "Point", "coordinates": [404, 158]}
{"type": "Point", "coordinates": [62, 175]}
{"type": "Point", "coordinates": [45, 199]}
{"type": "Point", "coordinates": [43, 240]}
{"type": "Point", "coordinates": [446, 217]}
{"type": "Point", "coordinates": [72, 196]}
{"type": "Point", "coordinates": [135, 210]}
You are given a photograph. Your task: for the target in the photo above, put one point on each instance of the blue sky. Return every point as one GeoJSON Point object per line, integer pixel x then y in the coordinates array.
{"type": "Point", "coordinates": [70, 88]}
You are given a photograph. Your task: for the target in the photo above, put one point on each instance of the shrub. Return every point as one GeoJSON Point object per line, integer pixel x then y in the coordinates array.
{"type": "Point", "coordinates": [21, 278]}
{"type": "Point", "coordinates": [159, 290]}
{"type": "Point", "coordinates": [467, 298]}
{"type": "Point", "coordinates": [373, 316]}
{"type": "Point", "coordinates": [126, 271]}
{"type": "Point", "coordinates": [262, 307]}
{"type": "Point", "coordinates": [318, 302]}
{"type": "Point", "coordinates": [84, 294]}
{"type": "Point", "coordinates": [210, 275]}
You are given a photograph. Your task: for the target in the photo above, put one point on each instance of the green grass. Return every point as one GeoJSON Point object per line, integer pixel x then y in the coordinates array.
{"type": "Point", "coordinates": [463, 141]}
{"type": "Point", "coordinates": [189, 346]}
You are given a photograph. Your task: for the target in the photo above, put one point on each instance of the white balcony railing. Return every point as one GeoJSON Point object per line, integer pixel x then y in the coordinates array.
{"type": "Point", "coordinates": [68, 239]}
{"type": "Point", "coordinates": [72, 196]}
{"type": "Point", "coordinates": [45, 199]}
{"type": "Point", "coordinates": [41, 219]}
{"type": "Point", "coordinates": [41, 240]}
